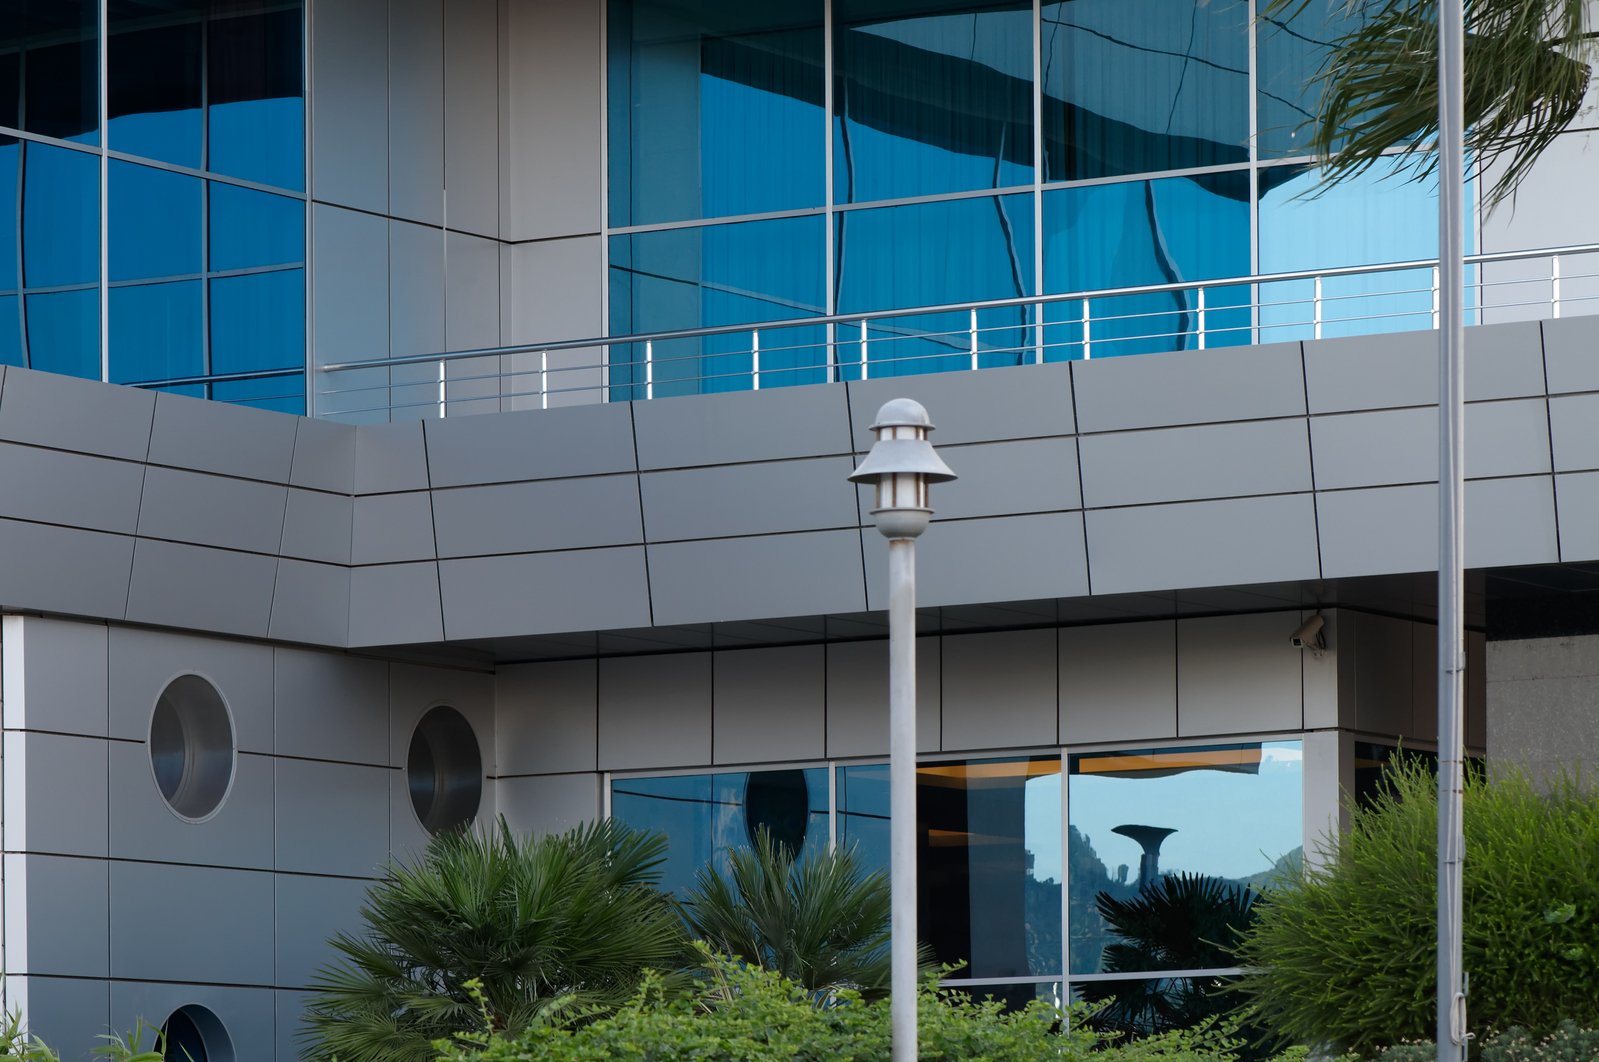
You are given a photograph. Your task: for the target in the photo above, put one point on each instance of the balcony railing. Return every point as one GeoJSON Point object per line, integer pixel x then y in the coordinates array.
{"type": "Point", "coordinates": [1108, 322]}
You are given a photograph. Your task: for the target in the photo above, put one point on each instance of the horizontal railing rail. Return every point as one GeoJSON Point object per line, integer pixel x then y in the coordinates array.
{"type": "Point", "coordinates": [1224, 311]}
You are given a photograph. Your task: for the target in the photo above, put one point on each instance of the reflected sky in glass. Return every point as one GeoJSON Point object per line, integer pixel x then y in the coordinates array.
{"type": "Point", "coordinates": [60, 216]}
{"type": "Point", "coordinates": [10, 159]}
{"type": "Point", "coordinates": [250, 228]}
{"type": "Point", "coordinates": [10, 330]}
{"type": "Point", "coordinates": [258, 321]}
{"type": "Point", "coordinates": [156, 332]}
{"type": "Point", "coordinates": [64, 332]}
{"type": "Point", "coordinates": [154, 222]}
{"type": "Point", "coordinates": [255, 97]}
{"type": "Point", "coordinates": [155, 87]}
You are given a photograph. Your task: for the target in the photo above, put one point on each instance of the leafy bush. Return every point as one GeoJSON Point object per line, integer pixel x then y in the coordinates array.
{"type": "Point", "coordinates": [1346, 953]}
{"type": "Point", "coordinates": [820, 919]}
{"type": "Point", "coordinates": [551, 928]}
{"type": "Point", "coordinates": [1566, 1044]}
{"type": "Point", "coordinates": [745, 1014]}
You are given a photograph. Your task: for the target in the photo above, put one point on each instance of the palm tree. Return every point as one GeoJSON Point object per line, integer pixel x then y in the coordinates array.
{"type": "Point", "coordinates": [819, 919]}
{"type": "Point", "coordinates": [1528, 63]}
{"type": "Point", "coordinates": [552, 928]}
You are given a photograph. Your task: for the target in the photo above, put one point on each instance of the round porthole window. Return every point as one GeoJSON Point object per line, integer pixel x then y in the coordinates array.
{"type": "Point", "coordinates": [194, 1034]}
{"type": "Point", "coordinates": [445, 770]}
{"type": "Point", "coordinates": [191, 746]}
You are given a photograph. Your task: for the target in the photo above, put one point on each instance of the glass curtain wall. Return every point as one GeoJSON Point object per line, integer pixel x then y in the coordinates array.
{"type": "Point", "coordinates": [192, 182]}
{"type": "Point", "coordinates": [865, 156]}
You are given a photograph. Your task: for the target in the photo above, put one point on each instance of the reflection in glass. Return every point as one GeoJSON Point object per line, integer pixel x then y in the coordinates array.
{"type": "Point", "coordinates": [704, 816]}
{"type": "Point", "coordinates": [10, 161]}
{"type": "Point", "coordinates": [931, 97]}
{"type": "Point", "coordinates": [863, 812]}
{"type": "Point", "coordinates": [715, 109]}
{"type": "Point", "coordinates": [11, 330]}
{"type": "Point", "coordinates": [49, 59]}
{"type": "Point", "coordinates": [1232, 812]}
{"type": "Point", "coordinates": [258, 321]}
{"type": "Point", "coordinates": [1290, 53]}
{"type": "Point", "coordinates": [255, 96]}
{"type": "Point", "coordinates": [64, 332]}
{"type": "Point", "coordinates": [1131, 88]}
{"type": "Point", "coordinates": [717, 275]}
{"type": "Point", "coordinates": [154, 90]}
{"type": "Point", "coordinates": [60, 217]}
{"type": "Point", "coordinates": [1147, 232]}
{"type": "Point", "coordinates": [156, 332]}
{"type": "Point", "coordinates": [154, 222]}
{"type": "Point", "coordinates": [250, 228]}
{"type": "Point", "coordinates": [283, 394]}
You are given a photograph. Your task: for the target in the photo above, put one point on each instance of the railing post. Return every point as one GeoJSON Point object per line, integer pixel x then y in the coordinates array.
{"type": "Point", "coordinates": [649, 368]}
{"type": "Point", "coordinates": [863, 349]}
{"type": "Point", "coordinates": [1554, 286]}
{"type": "Point", "coordinates": [755, 359]}
{"type": "Point", "coordinates": [1088, 333]}
{"type": "Point", "coordinates": [1435, 296]}
{"type": "Point", "coordinates": [544, 379]}
{"type": "Point", "coordinates": [1315, 306]}
{"type": "Point", "coordinates": [1199, 294]}
{"type": "Point", "coordinates": [973, 330]}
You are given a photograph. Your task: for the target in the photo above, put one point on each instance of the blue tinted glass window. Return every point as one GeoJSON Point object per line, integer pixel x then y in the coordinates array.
{"type": "Point", "coordinates": [282, 394]}
{"type": "Point", "coordinates": [64, 332]}
{"type": "Point", "coordinates": [258, 321]}
{"type": "Point", "coordinates": [255, 92]}
{"type": "Point", "coordinates": [715, 109]}
{"type": "Point", "coordinates": [706, 816]}
{"type": "Point", "coordinates": [58, 67]}
{"type": "Point", "coordinates": [10, 330]}
{"type": "Point", "coordinates": [155, 75]}
{"type": "Point", "coordinates": [10, 160]}
{"type": "Point", "coordinates": [251, 229]}
{"type": "Point", "coordinates": [1136, 87]}
{"type": "Point", "coordinates": [1147, 232]}
{"type": "Point", "coordinates": [60, 217]}
{"type": "Point", "coordinates": [156, 332]}
{"type": "Point", "coordinates": [10, 88]}
{"type": "Point", "coordinates": [931, 97]}
{"type": "Point", "coordinates": [154, 222]}
{"type": "Point", "coordinates": [1291, 52]}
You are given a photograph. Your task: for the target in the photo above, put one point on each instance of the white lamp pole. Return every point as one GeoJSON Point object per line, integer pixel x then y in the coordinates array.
{"type": "Point", "coordinates": [900, 465]}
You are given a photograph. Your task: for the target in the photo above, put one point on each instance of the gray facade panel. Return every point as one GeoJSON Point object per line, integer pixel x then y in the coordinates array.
{"type": "Point", "coordinates": [471, 115]}
{"type": "Point", "coordinates": [1001, 479]}
{"type": "Point", "coordinates": [803, 574]}
{"type": "Point", "coordinates": [416, 311]}
{"type": "Point", "coordinates": [1378, 531]}
{"type": "Point", "coordinates": [332, 818]}
{"type": "Point", "coordinates": [529, 517]}
{"type": "Point", "coordinates": [555, 297]}
{"type": "Point", "coordinates": [65, 1012]}
{"type": "Point", "coordinates": [550, 803]}
{"type": "Point", "coordinates": [64, 570]}
{"type": "Point", "coordinates": [545, 593]}
{"type": "Point", "coordinates": [311, 603]}
{"type": "Point", "coordinates": [1569, 344]}
{"type": "Point", "coordinates": [1007, 558]}
{"type": "Point", "coordinates": [309, 910]}
{"type": "Point", "coordinates": [754, 499]}
{"type": "Point", "coordinates": [416, 110]}
{"type": "Point", "coordinates": [472, 312]}
{"type": "Point", "coordinates": [349, 99]}
{"type": "Point", "coordinates": [655, 711]}
{"type": "Point", "coordinates": [54, 487]}
{"type": "Point", "coordinates": [201, 588]}
{"type": "Point", "coordinates": [238, 834]}
{"type": "Point", "coordinates": [768, 704]}
{"type": "Point", "coordinates": [1504, 361]}
{"type": "Point", "coordinates": [1000, 690]}
{"type": "Point", "coordinates": [534, 444]}
{"type": "Point", "coordinates": [393, 527]}
{"type": "Point", "coordinates": [1016, 403]}
{"type": "Point", "coordinates": [546, 717]}
{"type": "Point", "coordinates": [349, 298]}
{"type": "Point", "coordinates": [247, 1013]}
{"type": "Point", "coordinates": [391, 458]}
{"type": "Point", "coordinates": [1231, 383]}
{"type": "Point", "coordinates": [63, 685]}
{"type": "Point", "coordinates": [1161, 547]}
{"type": "Point", "coordinates": [1375, 449]}
{"type": "Point", "coordinates": [46, 409]}
{"type": "Point", "coordinates": [1510, 521]}
{"type": "Point", "coordinates": [1506, 438]}
{"type": "Point", "coordinates": [1578, 498]}
{"type": "Point", "coordinates": [330, 706]}
{"type": "Point", "coordinates": [211, 510]}
{"type": "Point", "coordinates": [56, 788]}
{"type": "Point", "coordinates": [226, 439]}
{"type": "Point", "coordinates": [1180, 464]}
{"type": "Point", "coordinates": [317, 526]}
{"type": "Point", "coordinates": [739, 426]}
{"type": "Point", "coordinates": [143, 662]}
{"type": "Point", "coordinates": [1118, 682]}
{"type": "Point", "coordinates": [1372, 372]}
{"type": "Point", "coordinates": [1571, 420]}
{"type": "Point", "coordinates": [391, 604]}
{"type": "Point", "coordinates": [1238, 674]}
{"type": "Point", "coordinates": [324, 456]}
{"type": "Point", "coordinates": [60, 903]}
{"type": "Point", "coordinates": [226, 917]}
{"type": "Point", "coordinates": [857, 697]}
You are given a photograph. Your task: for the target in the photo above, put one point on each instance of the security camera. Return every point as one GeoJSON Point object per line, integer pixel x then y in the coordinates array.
{"type": "Point", "coordinates": [1309, 635]}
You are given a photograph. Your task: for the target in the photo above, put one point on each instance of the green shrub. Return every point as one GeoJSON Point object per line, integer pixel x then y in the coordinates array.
{"type": "Point", "coordinates": [1345, 953]}
{"type": "Point", "coordinates": [745, 1014]}
{"type": "Point", "coordinates": [1567, 1043]}
{"type": "Point", "coordinates": [558, 927]}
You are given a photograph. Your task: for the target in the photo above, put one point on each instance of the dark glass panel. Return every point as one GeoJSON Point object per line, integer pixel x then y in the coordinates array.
{"type": "Point", "coordinates": [1290, 54]}
{"type": "Point", "coordinates": [60, 217]}
{"type": "Point", "coordinates": [705, 816]}
{"type": "Point", "coordinates": [155, 79]}
{"type": "Point", "coordinates": [256, 96]}
{"type": "Point", "coordinates": [64, 332]}
{"type": "Point", "coordinates": [282, 394]}
{"type": "Point", "coordinates": [156, 332]}
{"type": "Point", "coordinates": [258, 321]}
{"type": "Point", "coordinates": [154, 222]}
{"type": "Point", "coordinates": [716, 275]}
{"type": "Point", "coordinates": [863, 806]}
{"type": "Point", "coordinates": [931, 97]}
{"type": "Point", "coordinates": [250, 229]}
{"type": "Point", "coordinates": [716, 109]}
{"type": "Point", "coordinates": [1147, 232]}
{"type": "Point", "coordinates": [1138, 87]}
{"type": "Point", "coordinates": [1226, 812]}
{"type": "Point", "coordinates": [10, 163]}
{"type": "Point", "coordinates": [11, 330]}
{"type": "Point", "coordinates": [55, 82]}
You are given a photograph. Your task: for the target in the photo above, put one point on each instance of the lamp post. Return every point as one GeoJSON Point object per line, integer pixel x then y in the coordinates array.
{"type": "Point", "coordinates": [900, 465]}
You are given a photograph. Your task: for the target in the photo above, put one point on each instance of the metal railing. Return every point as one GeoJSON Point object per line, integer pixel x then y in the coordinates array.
{"type": "Point", "coordinates": [1192, 315]}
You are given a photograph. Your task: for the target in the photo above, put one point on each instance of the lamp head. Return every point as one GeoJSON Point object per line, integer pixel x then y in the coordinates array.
{"type": "Point", "coordinates": [901, 464]}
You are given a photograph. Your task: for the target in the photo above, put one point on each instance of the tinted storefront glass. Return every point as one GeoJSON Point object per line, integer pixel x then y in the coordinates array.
{"type": "Point", "coordinates": [49, 62]}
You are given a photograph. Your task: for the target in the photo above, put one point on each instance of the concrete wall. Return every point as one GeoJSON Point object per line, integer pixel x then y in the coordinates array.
{"type": "Point", "coordinates": [1543, 701]}
{"type": "Point", "coordinates": [115, 908]}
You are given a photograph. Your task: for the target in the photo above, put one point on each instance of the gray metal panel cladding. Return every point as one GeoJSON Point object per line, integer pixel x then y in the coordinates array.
{"type": "Point", "coordinates": [1150, 391]}
{"type": "Point", "coordinates": [544, 593]}
{"type": "Point", "coordinates": [1208, 461]}
{"type": "Point", "coordinates": [752, 499]}
{"type": "Point", "coordinates": [1016, 403]}
{"type": "Point", "coordinates": [765, 425]}
{"type": "Point", "coordinates": [70, 414]}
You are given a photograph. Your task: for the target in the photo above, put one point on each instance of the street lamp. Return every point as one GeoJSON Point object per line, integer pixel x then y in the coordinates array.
{"type": "Point", "coordinates": [900, 465]}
